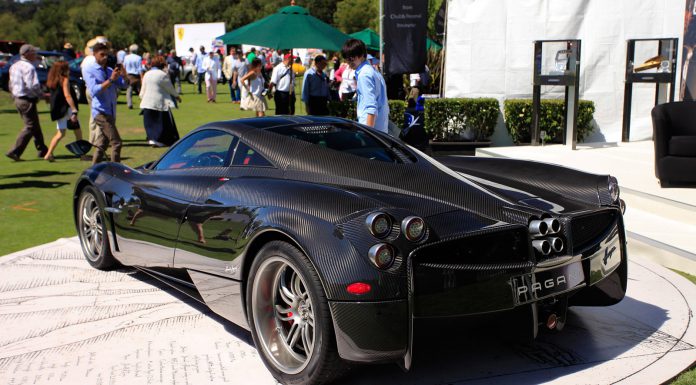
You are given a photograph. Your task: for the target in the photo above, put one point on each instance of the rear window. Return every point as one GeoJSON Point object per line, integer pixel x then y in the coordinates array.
{"type": "Point", "coordinates": [341, 137]}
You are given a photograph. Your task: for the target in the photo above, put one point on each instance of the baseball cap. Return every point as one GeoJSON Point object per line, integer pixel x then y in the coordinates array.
{"type": "Point", "coordinates": [26, 48]}
{"type": "Point", "coordinates": [287, 56]}
{"type": "Point", "coordinates": [372, 59]}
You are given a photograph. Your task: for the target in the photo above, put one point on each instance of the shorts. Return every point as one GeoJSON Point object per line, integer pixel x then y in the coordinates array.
{"type": "Point", "coordinates": [62, 123]}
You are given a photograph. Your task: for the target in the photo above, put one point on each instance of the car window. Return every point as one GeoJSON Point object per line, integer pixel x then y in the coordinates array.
{"type": "Point", "coordinates": [346, 138]}
{"type": "Point", "coordinates": [207, 148]}
{"type": "Point", "coordinates": [246, 156]}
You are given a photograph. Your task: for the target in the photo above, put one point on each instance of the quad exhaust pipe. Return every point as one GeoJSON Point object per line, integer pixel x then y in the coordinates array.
{"type": "Point", "coordinates": [542, 246]}
{"type": "Point", "coordinates": [556, 244]}
{"type": "Point", "coordinates": [541, 227]}
{"type": "Point", "coordinates": [537, 227]}
{"type": "Point", "coordinates": [553, 224]}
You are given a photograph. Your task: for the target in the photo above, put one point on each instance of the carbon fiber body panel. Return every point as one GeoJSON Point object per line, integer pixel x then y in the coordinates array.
{"type": "Point", "coordinates": [476, 255]}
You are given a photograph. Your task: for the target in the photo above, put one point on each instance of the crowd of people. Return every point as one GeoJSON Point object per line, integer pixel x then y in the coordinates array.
{"type": "Point", "coordinates": [155, 79]}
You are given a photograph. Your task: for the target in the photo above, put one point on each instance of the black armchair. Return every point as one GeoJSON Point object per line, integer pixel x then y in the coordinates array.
{"type": "Point", "coordinates": [674, 128]}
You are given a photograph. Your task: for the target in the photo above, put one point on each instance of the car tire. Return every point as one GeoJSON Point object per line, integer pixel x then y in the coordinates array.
{"type": "Point", "coordinates": [296, 339]}
{"type": "Point", "coordinates": [91, 230]}
{"type": "Point", "coordinates": [189, 78]}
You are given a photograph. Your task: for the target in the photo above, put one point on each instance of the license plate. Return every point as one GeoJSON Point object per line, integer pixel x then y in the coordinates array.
{"type": "Point", "coordinates": [535, 286]}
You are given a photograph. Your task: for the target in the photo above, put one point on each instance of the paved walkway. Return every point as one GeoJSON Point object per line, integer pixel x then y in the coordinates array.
{"type": "Point", "coordinates": [66, 323]}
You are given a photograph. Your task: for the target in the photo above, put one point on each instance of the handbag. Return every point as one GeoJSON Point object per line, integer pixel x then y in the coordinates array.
{"type": "Point", "coordinates": [73, 125]}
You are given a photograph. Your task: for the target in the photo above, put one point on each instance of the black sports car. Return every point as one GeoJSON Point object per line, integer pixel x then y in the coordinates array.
{"type": "Point", "coordinates": [327, 239]}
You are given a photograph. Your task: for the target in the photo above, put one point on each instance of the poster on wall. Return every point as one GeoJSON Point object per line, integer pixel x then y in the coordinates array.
{"type": "Point", "coordinates": [688, 83]}
{"type": "Point", "coordinates": [405, 27]}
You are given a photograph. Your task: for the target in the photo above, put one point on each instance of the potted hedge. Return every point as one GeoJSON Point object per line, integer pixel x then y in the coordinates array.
{"type": "Point", "coordinates": [518, 119]}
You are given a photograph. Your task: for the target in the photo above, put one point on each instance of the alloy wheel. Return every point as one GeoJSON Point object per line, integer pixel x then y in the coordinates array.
{"type": "Point", "coordinates": [283, 315]}
{"type": "Point", "coordinates": [90, 225]}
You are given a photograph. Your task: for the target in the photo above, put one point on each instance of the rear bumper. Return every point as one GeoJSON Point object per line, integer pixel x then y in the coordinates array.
{"type": "Point", "coordinates": [371, 331]}
{"type": "Point", "coordinates": [383, 331]}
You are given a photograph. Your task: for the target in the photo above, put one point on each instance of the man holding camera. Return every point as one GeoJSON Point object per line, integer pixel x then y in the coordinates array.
{"type": "Point", "coordinates": [103, 83]}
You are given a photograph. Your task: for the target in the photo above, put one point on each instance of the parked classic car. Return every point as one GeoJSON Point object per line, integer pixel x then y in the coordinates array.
{"type": "Point", "coordinates": [327, 239]}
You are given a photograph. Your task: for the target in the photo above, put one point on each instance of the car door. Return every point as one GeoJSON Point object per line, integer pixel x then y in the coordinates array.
{"type": "Point", "coordinates": [152, 209]}
{"type": "Point", "coordinates": [210, 240]}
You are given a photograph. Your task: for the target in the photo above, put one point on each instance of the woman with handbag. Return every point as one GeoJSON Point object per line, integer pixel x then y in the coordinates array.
{"type": "Point", "coordinates": [63, 105]}
{"type": "Point", "coordinates": [157, 96]}
{"type": "Point", "coordinates": [253, 82]}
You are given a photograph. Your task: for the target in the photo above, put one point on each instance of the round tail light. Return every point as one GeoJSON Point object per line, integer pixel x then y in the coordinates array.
{"type": "Point", "coordinates": [382, 255]}
{"type": "Point", "coordinates": [413, 228]}
{"type": "Point", "coordinates": [379, 224]}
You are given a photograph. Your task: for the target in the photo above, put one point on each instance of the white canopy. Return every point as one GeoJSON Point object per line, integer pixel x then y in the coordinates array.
{"type": "Point", "coordinates": [490, 52]}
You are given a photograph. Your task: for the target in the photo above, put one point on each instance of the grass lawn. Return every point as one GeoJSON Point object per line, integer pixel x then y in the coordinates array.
{"type": "Point", "coordinates": [36, 196]}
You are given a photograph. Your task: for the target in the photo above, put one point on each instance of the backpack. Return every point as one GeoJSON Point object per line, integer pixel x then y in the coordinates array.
{"type": "Point", "coordinates": [173, 66]}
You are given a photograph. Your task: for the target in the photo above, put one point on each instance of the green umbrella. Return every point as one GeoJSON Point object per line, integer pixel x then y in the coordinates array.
{"type": "Point", "coordinates": [371, 40]}
{"type": "Point", "coordinates": [432, 44]}
{"type": "Point", "coordinates": [291, 27]}
{"type": "Point", "coordinates": [369, 37]}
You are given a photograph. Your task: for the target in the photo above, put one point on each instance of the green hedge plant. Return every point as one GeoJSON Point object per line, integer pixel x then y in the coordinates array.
{"type": "Point", "coordinates": [518, 118]}
{"type": "Point", "coordinates": [452, 119]}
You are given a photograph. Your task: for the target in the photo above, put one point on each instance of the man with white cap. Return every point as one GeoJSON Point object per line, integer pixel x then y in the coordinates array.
{"type": "Point", "coordinates": [133, 64]}
{"type": "Point", "coordinates": [26, 91]}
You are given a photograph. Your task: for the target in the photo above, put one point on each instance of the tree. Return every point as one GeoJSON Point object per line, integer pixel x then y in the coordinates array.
{"type": "Point", "coordinates": [50, 22]}
{"type": "Point", "coordinates": [356, 15]}
{"type": "Point", "coordinates": [10, 27]}
{"type": "Point", "coordinates": [322, 9]}
{"type": "Point", "coordinates": [128, 26]}
{"type": "Point", "coordinates": [89, 21]}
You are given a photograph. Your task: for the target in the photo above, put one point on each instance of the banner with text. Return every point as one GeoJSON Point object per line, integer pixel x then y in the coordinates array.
{"type": "Point", "coordinates": [405, 27]}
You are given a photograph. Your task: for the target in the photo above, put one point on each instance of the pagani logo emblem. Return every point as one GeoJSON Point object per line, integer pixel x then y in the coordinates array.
{"type": "Point", "coordinates": [607, 254]}
{"type": "Point", "coordinates": [537, 288]}
{"type": "Point", "coordinates": [180, 33]}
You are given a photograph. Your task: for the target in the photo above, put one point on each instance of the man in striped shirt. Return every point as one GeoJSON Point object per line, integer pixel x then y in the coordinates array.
{"type": "Point", "coordinates": [26, 91]}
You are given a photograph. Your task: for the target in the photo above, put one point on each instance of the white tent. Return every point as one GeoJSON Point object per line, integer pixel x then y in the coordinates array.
{"type": "Point", "coordinates": [490, 52]}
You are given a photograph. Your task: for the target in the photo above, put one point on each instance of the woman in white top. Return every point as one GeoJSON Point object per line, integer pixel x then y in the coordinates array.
{"type": "Point", "coordinates": [211, 64]}
{"type": "Point", "coordinates": [157, 96]}
{"type": "Point", "coordinates": [346, 76]}
{"type": "Point", "coordinates": [253, 82]}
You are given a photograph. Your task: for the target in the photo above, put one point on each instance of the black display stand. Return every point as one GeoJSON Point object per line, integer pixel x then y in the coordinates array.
{"type": "Point", "coordinates": [663, 77]}
{"type": "Point", "coordinates": [569, 78]}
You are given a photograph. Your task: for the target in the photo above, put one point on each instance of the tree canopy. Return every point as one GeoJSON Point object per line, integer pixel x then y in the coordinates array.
{"type": "Point", "coordinates": [150, 23]}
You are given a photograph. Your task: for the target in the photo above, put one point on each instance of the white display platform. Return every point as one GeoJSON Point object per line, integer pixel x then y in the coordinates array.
{"type": "Point", "coordinates": [66, 323]}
